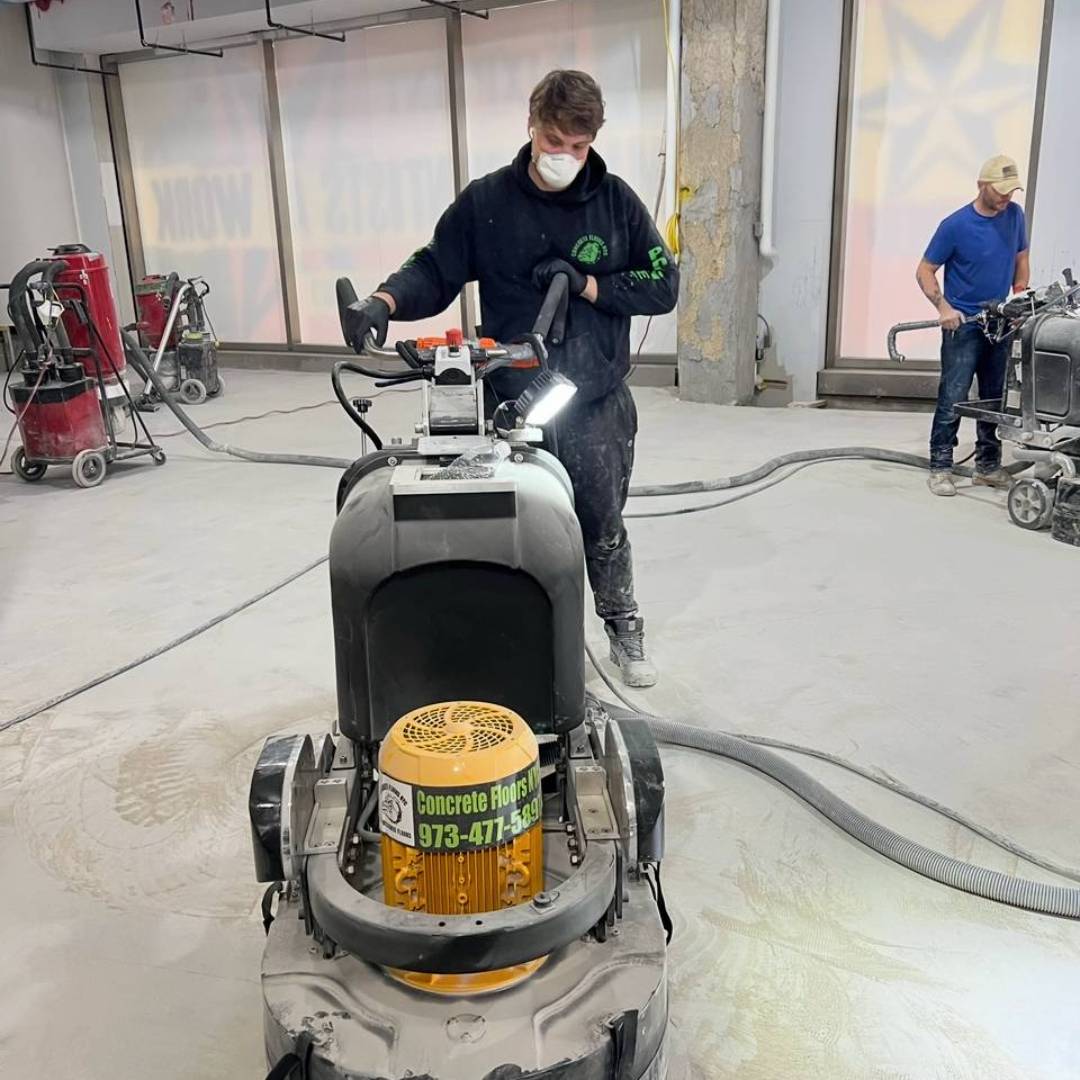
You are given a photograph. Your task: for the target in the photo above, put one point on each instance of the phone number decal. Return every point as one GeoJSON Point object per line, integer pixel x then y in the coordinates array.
{"type": "Point", "coordinates": [473, 818]}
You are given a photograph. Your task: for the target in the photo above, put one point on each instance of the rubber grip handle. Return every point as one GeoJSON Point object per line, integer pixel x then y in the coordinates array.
{"type": "Point", "coordinates": [553, 310]}
{"type": "Point", "coordinates": [346, 295]}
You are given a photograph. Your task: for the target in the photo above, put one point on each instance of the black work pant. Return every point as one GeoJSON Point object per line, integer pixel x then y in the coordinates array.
{"type": "Point", "coordinates": [966, 354]}
{"type": "Point", "coordinates": [595, 443]}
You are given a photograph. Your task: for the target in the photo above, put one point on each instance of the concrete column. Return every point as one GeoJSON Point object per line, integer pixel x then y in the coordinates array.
{"type": "Point", "coordinates": [723, 92]}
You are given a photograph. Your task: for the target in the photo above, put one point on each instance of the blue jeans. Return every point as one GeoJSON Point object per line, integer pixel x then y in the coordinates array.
{"type": "Point", "coordinates": [966, 354]}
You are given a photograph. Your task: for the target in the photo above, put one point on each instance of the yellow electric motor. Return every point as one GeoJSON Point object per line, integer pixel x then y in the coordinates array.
{"type": "Point", "coordinates": [460, 809]}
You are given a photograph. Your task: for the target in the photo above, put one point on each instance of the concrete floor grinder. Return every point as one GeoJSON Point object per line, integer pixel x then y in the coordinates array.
{"type": "Point", "coordinates": [1038, 413]}
{"type": "Point", "coordinates": [467, 869]}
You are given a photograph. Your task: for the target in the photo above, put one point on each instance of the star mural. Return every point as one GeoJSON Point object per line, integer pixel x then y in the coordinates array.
{"type": "Point", "coordinates": [938, 87]}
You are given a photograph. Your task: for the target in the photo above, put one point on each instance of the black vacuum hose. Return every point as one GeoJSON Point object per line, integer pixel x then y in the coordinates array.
{"type": "Point", "coordinates": [139, 362]}
{"type": "Point", "coordinates": [19, 308]}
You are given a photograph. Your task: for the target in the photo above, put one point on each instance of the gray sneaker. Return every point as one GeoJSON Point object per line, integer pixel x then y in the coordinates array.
{"type": "Point", "coordinates": [940, 482]}
{"type": "Point", "coordinates": [997, 478]}
{"type": "Point", "coordinates": [627, 640]}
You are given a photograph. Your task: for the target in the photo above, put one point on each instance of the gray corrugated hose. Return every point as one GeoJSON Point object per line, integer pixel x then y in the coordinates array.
{"type": "Point", "coordinates": [1017, 892]}
{"type": "Point", "coordinates": [724, 483]}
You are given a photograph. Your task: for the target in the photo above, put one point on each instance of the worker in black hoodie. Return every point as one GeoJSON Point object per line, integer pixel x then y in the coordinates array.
{"type": "Point", "coordinates": [556, 209]}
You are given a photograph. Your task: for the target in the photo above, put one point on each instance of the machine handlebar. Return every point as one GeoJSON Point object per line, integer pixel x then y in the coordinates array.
{"type": "Point", "coordinates": [549, 326]}
{"type": "Point", "coordinates": [906, 327]}
{"type": "Point", "coordinates": [999, 321]}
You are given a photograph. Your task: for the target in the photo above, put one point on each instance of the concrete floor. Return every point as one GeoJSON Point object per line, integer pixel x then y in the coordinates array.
{"type": "Point", "coordinates": [844, 609]}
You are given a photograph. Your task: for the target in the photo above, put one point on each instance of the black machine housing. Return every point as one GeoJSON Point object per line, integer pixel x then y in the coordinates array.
{"type": "Point", "coordinates": [1055, 369]}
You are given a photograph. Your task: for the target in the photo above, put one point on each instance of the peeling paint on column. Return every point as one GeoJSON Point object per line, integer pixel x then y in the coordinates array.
{"type": "Point", "coordinates": [723, 94]}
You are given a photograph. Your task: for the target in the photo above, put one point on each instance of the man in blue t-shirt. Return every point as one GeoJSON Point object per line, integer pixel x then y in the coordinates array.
{"type": "Point", "coordinates": [983, 247]}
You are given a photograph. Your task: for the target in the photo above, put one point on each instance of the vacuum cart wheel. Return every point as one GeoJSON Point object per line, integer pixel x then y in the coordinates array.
{"type": "Point", "coordinates": [88, 468]}
{"type": "Point", "coordinates": [158, 456]}
{"type": "Point", "coordinates": [26, 470]}
{"type": "Point", "coordinates": [1031, 504]}
{"type": "Point", "coordinates": [193, 392]}
{"type": "Point", "coordinates": [220, 389]}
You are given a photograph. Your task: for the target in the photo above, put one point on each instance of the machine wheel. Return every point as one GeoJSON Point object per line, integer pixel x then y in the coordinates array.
{"type": "Point", "coordinates": [220, 388]}
{"type": "Point", "coordinates": [158, 456]}
{"type": "Point", "coordinates": [193, 392]}
{"type": "Point", "coordinates": [26, 470]}
{"type": "Point", "coordinates": [1031, 504]}
{"type": "Point", "coordinates": [88, 468]}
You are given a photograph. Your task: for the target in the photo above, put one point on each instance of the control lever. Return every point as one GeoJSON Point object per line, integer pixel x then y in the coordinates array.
{"type": "Point", "coordinates": [362, 405]}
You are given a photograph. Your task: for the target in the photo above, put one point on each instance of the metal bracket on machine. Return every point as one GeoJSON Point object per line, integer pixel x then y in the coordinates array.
{"type": "Point", "coordinates": [588, 785]}
{"type": "Point", "coordinates": [282, 801]}
{"type": "Point", "coordinates": [330, 809]}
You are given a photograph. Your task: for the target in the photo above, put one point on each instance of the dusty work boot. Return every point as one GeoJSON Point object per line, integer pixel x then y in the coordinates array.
{"type": "Point", "coordinates": [941, 482]}
{"type": "Point", "coordinates": [627, 640]}
{"type": "Point", "coordinates": [997, 478]}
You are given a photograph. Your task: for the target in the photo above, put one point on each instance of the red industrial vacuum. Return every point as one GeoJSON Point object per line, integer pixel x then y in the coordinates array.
{"type": "Point", "coordinates": [68, 389]}
{"type": "Point", "coordinates": [174, 326]}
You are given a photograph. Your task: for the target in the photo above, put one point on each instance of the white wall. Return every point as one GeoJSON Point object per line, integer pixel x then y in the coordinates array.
{"type": "Point", "coordinates": [795, 289]}
{"type": "Point", "coordinates": [1055, 231]}
{"type": "Point", "coordinates": [36, 206]}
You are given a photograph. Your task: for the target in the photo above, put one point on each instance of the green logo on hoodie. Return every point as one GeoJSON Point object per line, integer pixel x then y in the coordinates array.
{"type": "Point", "coordinates": [589, 249]}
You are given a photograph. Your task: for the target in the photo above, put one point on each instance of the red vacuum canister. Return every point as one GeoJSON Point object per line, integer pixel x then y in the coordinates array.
{"type": "Point", "coordinates": [154, 297]}
{"type": "Point", "coordinates": [61, 417]}
{"type": "Point", "coordinates": [86, 277]}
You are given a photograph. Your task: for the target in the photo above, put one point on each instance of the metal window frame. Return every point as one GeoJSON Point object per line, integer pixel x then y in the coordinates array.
{"type": "Point", "coordinates": [841, 167]}
{"type": "Point", "coordinates": [1039, 113]}
{"type": "Point", "coordinates": [459, 139]}
{"type": "Point", "coordinates": [279, 196]}
{"type": "Point", "coordinates": [125, 178]}
{"type": "Point", "coordinates": [457, 119]}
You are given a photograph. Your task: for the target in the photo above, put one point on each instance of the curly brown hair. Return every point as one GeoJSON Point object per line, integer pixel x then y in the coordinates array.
{"type": "Point", "coordinates": [568, 100]}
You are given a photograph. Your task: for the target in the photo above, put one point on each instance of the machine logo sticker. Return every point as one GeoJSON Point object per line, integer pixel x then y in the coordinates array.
{"type": "Point", "coordinates": [396, 810]}
{"type": "Point", "coordinates": [589, 249]}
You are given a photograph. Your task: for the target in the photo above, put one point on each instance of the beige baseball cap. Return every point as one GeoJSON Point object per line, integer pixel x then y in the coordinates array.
{"type": "Point", "coordinates": [1001, 173]}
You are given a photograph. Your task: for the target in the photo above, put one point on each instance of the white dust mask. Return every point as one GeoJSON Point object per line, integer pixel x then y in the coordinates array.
{"type": "Point", "coordinates": [558, 171]}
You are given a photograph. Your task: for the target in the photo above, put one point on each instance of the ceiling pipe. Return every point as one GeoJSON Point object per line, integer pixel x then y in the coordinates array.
{"type": "Point", "coordinates": [44, 63]}
{"type": "Point", "coordinates": [312, 32]}
{"type": "Point", "coordinates": [217, 53]}
{"type": "Point", "coordinates": [456, 8]}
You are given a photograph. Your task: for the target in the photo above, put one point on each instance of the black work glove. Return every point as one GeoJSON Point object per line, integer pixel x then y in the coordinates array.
{"type": "Point", "coordinates": [544, 271]}
{"type": "Point", "coordinates": [362, 317]}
